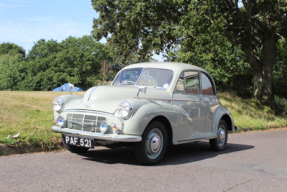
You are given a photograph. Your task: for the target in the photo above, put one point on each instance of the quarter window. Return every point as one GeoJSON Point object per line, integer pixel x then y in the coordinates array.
{"type": "Point", "coordinates": [191, 80]}
{"type": "Point", "coordinates": [207, 87]}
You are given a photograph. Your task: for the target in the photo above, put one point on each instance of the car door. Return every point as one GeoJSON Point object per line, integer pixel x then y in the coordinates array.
{"type": "Point", "coordinates": [187, 97]}
{"type": "Point", "coordinates": [209, 100]}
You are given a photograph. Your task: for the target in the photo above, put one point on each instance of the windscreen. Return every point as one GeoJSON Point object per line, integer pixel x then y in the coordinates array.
{"type": "Point", "coordinates": [156, 78]}
{"type": "Point", "coordinates": [145, 77]}
{"type": "Point", "coordinates": [128, 77]}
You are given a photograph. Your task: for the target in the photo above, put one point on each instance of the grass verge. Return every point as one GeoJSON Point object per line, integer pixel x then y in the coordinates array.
{"type": "Point", "coordinates": [250, 115]}
{"type": "Point", "coordinates": [31, 115]}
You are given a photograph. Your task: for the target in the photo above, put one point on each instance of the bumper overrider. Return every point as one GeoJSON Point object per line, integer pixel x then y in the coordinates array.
{"type": "Point", "coordinates": [88, 124]}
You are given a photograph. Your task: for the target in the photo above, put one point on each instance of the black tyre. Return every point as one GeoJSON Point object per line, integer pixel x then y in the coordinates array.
{"type": "Point", "coordinates": [74, 149]}
{"type": "Point", "coordinates": [152, 148]}
{"type": "Point", "coordinates": [219, 143]}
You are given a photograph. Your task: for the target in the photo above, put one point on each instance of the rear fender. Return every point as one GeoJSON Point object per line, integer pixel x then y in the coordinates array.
{"type": "Point", "coordinates": [222, 113]}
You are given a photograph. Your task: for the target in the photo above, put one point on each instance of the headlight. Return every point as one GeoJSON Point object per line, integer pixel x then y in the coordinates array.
{"type": "Point", "coordinates": [58, 104]}
{"type": "Point", "coordinates": [125, 110]}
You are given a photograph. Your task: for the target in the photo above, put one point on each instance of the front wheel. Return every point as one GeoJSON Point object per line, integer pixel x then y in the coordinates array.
{"type": "Point", "coordinates": [219, 143]}
{"type": "Point", "coordinates": [74, 149]}
{"type": "Point", "coordinates": [152, 148]}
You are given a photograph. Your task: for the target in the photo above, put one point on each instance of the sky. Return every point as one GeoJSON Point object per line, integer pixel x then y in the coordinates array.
{"type": "Point", "coordinates": [24, 22]}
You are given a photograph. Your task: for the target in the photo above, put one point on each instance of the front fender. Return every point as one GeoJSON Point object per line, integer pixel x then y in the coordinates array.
{"type": "Point", "coordinates": [222, 113]}
{"type": "Point", "coordinates": [145, 114]}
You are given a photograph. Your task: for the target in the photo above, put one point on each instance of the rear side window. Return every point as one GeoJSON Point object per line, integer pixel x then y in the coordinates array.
{"type": "Point", "coordinates": [191, 80]}
{"type": "Point", "coordinates": [207, 87]}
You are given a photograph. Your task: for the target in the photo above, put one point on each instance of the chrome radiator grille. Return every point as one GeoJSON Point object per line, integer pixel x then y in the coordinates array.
{"type": "Point", "coordinates": [84, 122]}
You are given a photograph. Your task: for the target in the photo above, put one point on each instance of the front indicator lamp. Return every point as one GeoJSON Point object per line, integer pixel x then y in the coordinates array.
{"type": "Point", "coordinates": [103, 127]}
{"type": "Point", "coordinates": [60, 121]}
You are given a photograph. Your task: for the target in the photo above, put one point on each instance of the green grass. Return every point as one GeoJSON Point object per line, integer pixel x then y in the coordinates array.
{"type": "Point", "coordinates": [249, 114]}
{"type": "Point", "coordinates": [31, 115]}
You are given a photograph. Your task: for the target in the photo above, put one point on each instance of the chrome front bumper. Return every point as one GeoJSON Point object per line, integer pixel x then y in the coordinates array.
{"type": "Point", "coordinates": [107, 137]}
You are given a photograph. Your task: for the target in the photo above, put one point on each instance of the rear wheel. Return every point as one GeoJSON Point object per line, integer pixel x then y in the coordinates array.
{"type": "Point", "coordinates": [74, 149]}
{"type": "Point", "coordinates": [219, 143]}
{"type": "Point", "coordinates": [152, 148]}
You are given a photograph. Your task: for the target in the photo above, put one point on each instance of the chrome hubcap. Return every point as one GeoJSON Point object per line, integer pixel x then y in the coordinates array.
{"type": "Point", "coordinates": [154, 143]}
{"type": "Point", "coordinates": [221, 136]}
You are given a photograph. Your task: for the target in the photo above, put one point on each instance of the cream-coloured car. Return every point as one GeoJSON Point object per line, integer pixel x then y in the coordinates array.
{"type": "Point", "coordinates": [148, 105]}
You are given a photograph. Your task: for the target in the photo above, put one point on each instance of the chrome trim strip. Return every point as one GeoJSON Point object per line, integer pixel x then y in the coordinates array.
{"type": "Point", "coordinates": [186, 100]}
{"type": "Point", "coordinates": [97, 112]}
{"type": "Point", "coordinates": [81, 123]}
{"type": "Point", "coordinates": [152, 98]}
{"type": "Point", "coordinates": [119, 138]}
{"type": "Point", "coordinates": [167, 99]}
{"type": "Point", "coordinates": [92, 92]}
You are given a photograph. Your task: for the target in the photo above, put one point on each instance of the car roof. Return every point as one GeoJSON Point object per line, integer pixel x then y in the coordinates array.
{"type": "Point", "coordinates": [176, 67]}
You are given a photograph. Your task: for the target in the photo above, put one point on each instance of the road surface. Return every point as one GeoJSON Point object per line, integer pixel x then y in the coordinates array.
{"type": "Point", "coordinates": [254, 161]}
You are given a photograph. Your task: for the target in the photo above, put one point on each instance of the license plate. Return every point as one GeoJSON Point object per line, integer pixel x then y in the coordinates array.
{"type": "Point", "coordinates": [79, 142]}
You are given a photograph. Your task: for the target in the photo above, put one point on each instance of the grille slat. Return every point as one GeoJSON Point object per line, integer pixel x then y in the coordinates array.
{"type": "Point", "coordinates": [87, 123]}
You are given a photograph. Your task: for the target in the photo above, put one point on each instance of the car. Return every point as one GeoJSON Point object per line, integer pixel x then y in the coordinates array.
{"type": "Point", "coordinates": [149, 106]}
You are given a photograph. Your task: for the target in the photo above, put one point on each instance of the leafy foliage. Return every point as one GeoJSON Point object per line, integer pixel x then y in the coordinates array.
{"type": "Point", "coordinates": [50, 64]}
{"type": "Point", "coordinates": [280, 105]}
{"type": "Point", "coordinates": [11, 49]}
{"type": "Point", "coordinates": [11, 71]}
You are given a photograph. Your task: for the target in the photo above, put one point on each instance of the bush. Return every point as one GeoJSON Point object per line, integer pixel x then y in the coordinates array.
{"type": "Point", "coordinates": [280, 105]}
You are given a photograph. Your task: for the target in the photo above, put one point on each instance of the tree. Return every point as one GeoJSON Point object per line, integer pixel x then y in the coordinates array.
{"type": "Point", "coordinates": [204, 44]}
{"type": "Point", "coordinates": [11, 49]}
{"type": "Point", "coordinates": [81, 59]}
{"type": "Point", "coordinates": [75, 60]}
{"type": "Point", "coordinates": [256, 26]}
{"type": "Point", "coordinates": [143, 26]}
{"type": "Point", "coordinates": [11, 66]}
{"type": "Point", "coordinates": [135, 28]}
{"type": "Point", "coordinates": [11, 71]}
{"type": "Point", "coordinates": [280, 70]}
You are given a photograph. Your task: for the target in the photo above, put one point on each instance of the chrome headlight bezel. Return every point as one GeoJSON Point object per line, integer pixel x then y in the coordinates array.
{"type": "Point", "coordinates": [58, 104]}
{"type": "Point", "coordinates": [125, 110]}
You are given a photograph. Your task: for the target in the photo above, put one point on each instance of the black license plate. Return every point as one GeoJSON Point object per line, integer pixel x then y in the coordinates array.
{"type": "Point", "coordinates": [79, 141]}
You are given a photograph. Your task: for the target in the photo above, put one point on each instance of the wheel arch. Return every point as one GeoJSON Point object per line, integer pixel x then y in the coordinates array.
{"type": "Point", "coordinates": [222, 113]}
{"type": "Point", "coordinates": [167, 126]}
{"type": "Point", "coordinates": [228, 121]}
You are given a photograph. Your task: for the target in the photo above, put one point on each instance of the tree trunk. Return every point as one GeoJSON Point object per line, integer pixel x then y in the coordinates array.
{"type": "Point", "coordinates": [262, 69]}
{"type": "Point", "coordinates": [258, 79]}
{"type": "Point", "coordinates": [268, 58]}
{"type": "Point", "coordinates": [258, 82]}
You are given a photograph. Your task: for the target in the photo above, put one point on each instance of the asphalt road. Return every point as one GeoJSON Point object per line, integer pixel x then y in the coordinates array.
{"type": "Point", "coordinates": [254, 161]}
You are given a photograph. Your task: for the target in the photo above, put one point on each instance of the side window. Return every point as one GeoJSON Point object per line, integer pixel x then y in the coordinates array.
{"type": "Point", "coordinates": [191, 79]}
{"type": "Point", "coordinates": [180, 84]}
{"type": "Point", "coordinates": [207, 87]}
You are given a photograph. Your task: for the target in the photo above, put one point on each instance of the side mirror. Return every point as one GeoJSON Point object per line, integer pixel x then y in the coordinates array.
{"type": "Point", "coordinates": [70, 87]}
{"type": "Point", "coordinates": [141, 89]}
